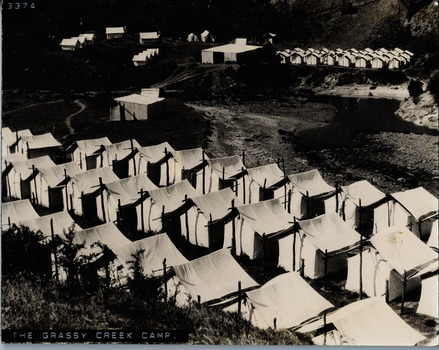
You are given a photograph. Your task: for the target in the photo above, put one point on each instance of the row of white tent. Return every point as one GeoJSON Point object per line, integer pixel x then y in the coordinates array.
{"type": "Point", "coordinates": [143, 57]}
{"type": "Point", "coordinates": [78, 42]}
{"type": "Point", "coordinates": [367, 58]}
{"type": "Point", "coordinates": [285, 302]}
{"type": "Point", "coordinates": [204, 37]}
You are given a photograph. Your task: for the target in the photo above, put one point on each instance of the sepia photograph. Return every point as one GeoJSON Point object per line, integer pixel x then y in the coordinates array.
{"type": "Point", "coordinates": [218, 172]}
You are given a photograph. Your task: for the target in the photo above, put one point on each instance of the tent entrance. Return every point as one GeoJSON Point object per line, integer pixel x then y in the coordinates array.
{"type": "Point", "coordinates": [89, 207]}
{"type": "Point", "coordinates": [25, 190]}
{"type": "Point", "coordinates": [265, 194]}
{"type": "Point", "coordinates": [226, 184]}
{"type": "Point", "coordinates": [216, 235]}
{"type": "Point", "coordinates": [120, 168]}
{"type": "Point", "coordinates": [171, 224]}
{"type": "Point", "coordinates": [154, 173]}
{"type": "Point", "coordinates": [56, 201]}
{"type": "Point", "coordinates": [191, 176]}
{"type": "Point", "coordinates": [128, 216]}
{"type": "Point", "coordinates": [91, 162]}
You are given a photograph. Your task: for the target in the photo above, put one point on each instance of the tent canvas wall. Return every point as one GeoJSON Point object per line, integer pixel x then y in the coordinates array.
{"type": "Point", "coordinates": [287, 298]}
{"type": "Point", "coordinates": [82, 152]}
{"type": "Point", "coordinates": [327, 232]}
{"type": "Point", "coordinates": [311, 195]}
{"type": "Point", "coordinates": [196, 224]}
{"type": "Point", "coordinates": [369, 322]}
{"type": "Point", "coordinates": [15, 211]}
{"type": "Point", "coordinates": [190, 164]}
{"type": "Point", "coordinates": [138, 107]}
{"type": "Point", "coordinates": [434, 235]}
{"type": "Point", "coordinates": [210, 278]}
{"type": "Point", "coordinates": [267, 182]}
{"type": "Point", "coordinates": [267, 217]}
{"type": "Point", "coordinates": [121, 157]}
{"type": "Point", "coordinates": [39, 145]}
{"type": "Point", "coordinates": [411, 208]}
{"type": "Point", "coordinates": [428, 304]}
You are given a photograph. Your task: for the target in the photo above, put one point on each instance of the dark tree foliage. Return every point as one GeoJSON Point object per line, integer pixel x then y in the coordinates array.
{"type": "Point", "coordinates": [415, 88]}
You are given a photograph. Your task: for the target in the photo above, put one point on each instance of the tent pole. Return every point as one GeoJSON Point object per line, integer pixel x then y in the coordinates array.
{"type": "Point", "coordinates": [163, 218]}
{"type": "Point", "coordinates": [361, 252]}
{"type": "Point", "coordinates": [243, 158]}
{"type": "Point", "coordinates": [289, 200]}
{"type": "Point", "coordinates": [302, 268]}
{"type": "Point", "coordinates": [164, 281]}
{"type": "Point", "coordinates": [148, 168]}
{"type": "Point", "coordinates": [54, 250]}
{"type": "Point", "coordinates": [186, 219]}
{"type": "Point", "coordinates": [239, 297]}
{"type": "Point", "coordinates": [233, 231]}
{"type": "Point", "coordinates": [323, 167]}
{"type": "Point", "coordinates": [134, 158]}
{"type": "Point", "coordinates": [222, 185]}
{"type": "Point", "coordinates": [67, 195]}
{"type": "Point", "coordinates": [294, 246]}
{"type": "Point", "coordinates": [243, 184]}
{"type": "Point", "coordinates": [118, 213]}
{"type": "Point", "coordinates": [9, 221]}
{"type": "Point", "coordinates": [101, 186]}
{"type": "Point", "coordinates": [141, 211]}
{"type": "Point", "coordinates": [324, 328]}
{"type": "Point", "coordinates": [199, 300]}
{"type": "Point", "coordinates": [48, 193]}
{"type": "Point", "coordinates": [263, 250]}
{"type": "Point", "coordinates": [343, 210]}
{"type": "Point", "coordinates": [336, 197]}
{"type": "Point", "coordinates": [404, 285]}
{"type": "Point", "coordinates": [307, 204]}
{"type": "Point", "coordinates": [326, 269]}
{"type": "Point", "coordinates": [204, 175]}
{"type": "Point", "coordinates": [387, 291]}
{"type": "Point", "coordinates": [274, 323]}
{"type": "Point", "coordinates": [285, 196]}
{"type": "Point", "coordinates": [82, 202]}
{"type": "Point", "coordinates": [263, 191]}
{"type": "Point", "coordinates": [167, 166]}
{"type": "Point", "coordinates": [35, 183]}
{"type": "Point", "coordinates": [80, 160]}
{"type": "Point", "coordinates": [71, 200]}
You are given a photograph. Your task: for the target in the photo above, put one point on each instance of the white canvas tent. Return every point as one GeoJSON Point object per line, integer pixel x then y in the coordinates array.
{"type": "Point", "coordinates": [39, 145]}
{"type": "Point", "coordinates": [368, 322]}
{"type": "Point", "coordinates": [325, 233]}
{"type": "Point", "coordinates": [434, 235]}
{"type": "Point", "coordinates": [121, 156]}
{"type": "Point", "coordinates": [206, 36]}
{"type": "Point", "coordinates": [115, 32]}
{"type": "Point", "coordinates": [156, 161]}
{"type": "Point", "coordinates": [151, 252]}
{"type": "Point", "coordinates": [89, 37]}
{"type": "Point", "coordinates": [360, 193]}
{"type": "Point", "coordinates": [192, 38]}
{"type": "Point", "coordinates": [288, 299]}
{"type": "Point", "coordinates": [258, 220]}
{"type": "Point", "coordinates": [267, 182]}
{"type": "Point", "coordinates": [15, 211]}
{"type": "Point", "coordinates": [85, 152]}
{"type": "Point", "coordinates": [148, 37]}
{"type": "Point", "coordinates": [394, 253]}
{"type": "Point", "coordinates": [412, 208]}
{"type": "Point", "coordinates": [311, 195]}
{"type": "Point", "coordinates": [428, 304]}
{"type": "Point", "coordinates": [209, 221]}
{"type": "Point", "coordinates": [210, 278]}
{"type": "Point", "coordinates": [190, 164]}
{"type": "Point", "coordinates": [124, 192]}
{"type": "Point", "coordinates": [70, 44]}
{"type": "Point", "coordinates": [10, 140]}
{"type": "Point", "coordinates": [227, 172]}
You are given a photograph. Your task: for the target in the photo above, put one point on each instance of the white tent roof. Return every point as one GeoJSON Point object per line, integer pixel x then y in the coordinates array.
{"type": "Point", "coordinates": [41, 141]}
{"type": "Point", "coordinates": [310, 181]}
{"type": "Point", "coordinates": [232, 48]}
{"type": "Point", "coordinates": [428, 304]}
{"type": "Point", "coordinates": [216, 203]}
{"type": "Point", "coordinates": [13, 157]}
{"type": "Point", "coordinates": [153, 251]}
{"type": "Point", "coordinates": [155, 153]}
{"type": "Point", "coordinates": [270, 172]}
{"type": "Point", "coordinates": [402, 249]}
{"type": "Point", "coordinates": [69, 42]}
{"type": "Point", "coordinates": [88, 147]}
{"type": "Point", "coordinates": [289, 299]}
{"type": "Point", "coordinates": [149, 35]}
{"type": "Point", "coordinates": [189, 158]}
{"type": "Point", "coordinates": [87, 180]}
{"type": "Point", "coordinates": [55, 174]}
{"type": "Point", "coordinates": [25, 167]}
{"type": "Point", "coordinates": [62, 221]}
{"type": "Point", "coordinates": [121, 149]}
{"type": "Point", "coordinates": [232, 166]}
{"type": "Point", "coordinates": [370, 322]}
{"type": "Point", "coordinates": [213, 276]}
{"type": "Point", "coordinates": [363, 190]}
{"type": "Point", "coordinates": [172, 197]}
{"type": "Point", "coordinates": [107, 234]}
{"type": "Point", "coordinates": [139, 99]}
{"type": "Point", "coordinates": [9, 137]}
{"type": "Point", "coordinates": [17, 211]}
{"type": "Point", "coordinates": [115, 30]}
{"type": "Point", "coordinates": [329, 232]}
{"type": "Point", "coordinates": [418, 202]}
{"type": "Point", "coordinates": [88, 36]}
{"type": "Point", "coordinates": [127, 190]}
{"type": "Point", "coordinates": [240, 41]}
{"type": "Point", "coordinates": [266, 217]}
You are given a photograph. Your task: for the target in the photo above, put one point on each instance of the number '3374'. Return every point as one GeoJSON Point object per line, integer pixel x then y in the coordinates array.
{"type": "Point", "coordinates": [20, 5]}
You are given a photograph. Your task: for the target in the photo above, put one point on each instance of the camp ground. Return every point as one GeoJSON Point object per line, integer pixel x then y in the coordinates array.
{"type": "Point", "coordinates": [227, 172]}
{"type": "Point", "coordinates": [190, 164]}
{"type": "Point", "coordinates": [48, 184]}
{"type": "Point", "coordinates": [311, 195]}
{"type": "Point", "coordinates": [156, 162]}
{"type": "Point", "coordinates": [39, 145]}
{"type": "Point", "coordinates": [17, 176]}
{"type": "Point", "coordinates": [15, 211]}
{"type": "Point", "coordinates": [210, 222]}
{"type": "Point", "coordinates": [358, 201]}
{"type": "Point", "coordinates": [321, 245]}
{"type": "Point", "coordinates": [52, 225]}
{"type": "Point", "coordinates": [268, 182]}
{"type": "Point", "coordinates": [122, 193]}
{"type": "Point", "coordinates": [121, 157]}
{"type": "Point", "coordinates": [284, 302]}
{"type": "Point", "coordinates": [10, 140]}
{"type": "Point", "coordinates": [83, 189]}
{"type": "Point", "coordinates": [369, 321]}
{"type": "Point", "coordinates": [259, 227]}
{"type": "Point", "coordinates": [82, 152]}
{"type": "Point", "coordinates": [412, 208]}
{"type": "Point", "coordinates": [212, 279]}
{"type": "Point", "coordinates": [156, 256]}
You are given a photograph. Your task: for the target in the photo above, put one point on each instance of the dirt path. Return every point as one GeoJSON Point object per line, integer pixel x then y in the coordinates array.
{"type": "Point", "coordinates": [32, 105]}
{"type": "Point", "coordinates": [68, 119]}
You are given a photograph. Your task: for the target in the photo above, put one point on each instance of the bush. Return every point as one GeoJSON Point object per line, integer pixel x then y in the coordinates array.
{"type": "Point", "coordinates": [415, 88]}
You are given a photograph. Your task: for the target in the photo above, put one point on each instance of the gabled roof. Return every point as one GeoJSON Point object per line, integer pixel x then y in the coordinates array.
{"type": "Point", "coordinates": [231, 165]}
{"type": "Point", "coordinates": [69, 42]}
{"type": "Point", "coordinates": [189, 158]}
{"type": "Point", "coordinates": [121, 149]}
{"type": "Point", "coordinates": [87, 36]}
{"type": "Point", "coordinates": [10, 138]}
{"type": "Point", "coordinates": [329, 232]}
{"type": "Point", "coordinates": [286, 298]}
{"type": "Point", "coordinates": [139, 99]}
{"type": "Point", "coordinates": [402, 249]}
{"type": "Point", "coordinates": [153, 250]}
{"type": "Point", "coordinates": [88, 180]}
{"type": "Point", "coordinates": [115, 30]}
{"type": "Point", "coordinates": [127, 190]}
{"type": "Point", "coordinates": [88, 147]}
{"type": "Point", "coordinates": [149, 35]}
{"type": "Point", "coordinates": [40, 141]}
{"type": "Point", "coordinates": [418, 202]}
{"type": "Point", "coordinates": [213, 276]}
{"type": "Point", "coordinates": [218, 204]}
{"type": "Point", "coordinates": [363, 190]}
{"type": "Point", "coordinates": [16, 211]}
{"type": "Point", "coordinates": [269, 174]}
{"type": "Point", "coordinates": [311, 182]}
{"type": "Point", "coordinates": [267, 217]}
{"type": "Point", "coordinates": [172, 197]}
{"type": "Point", "coordinates": [155, 153]}
{"type": "Point", "coordinates": [25, 167]}
{"type": "Point", "coordinates": [56, 174]}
